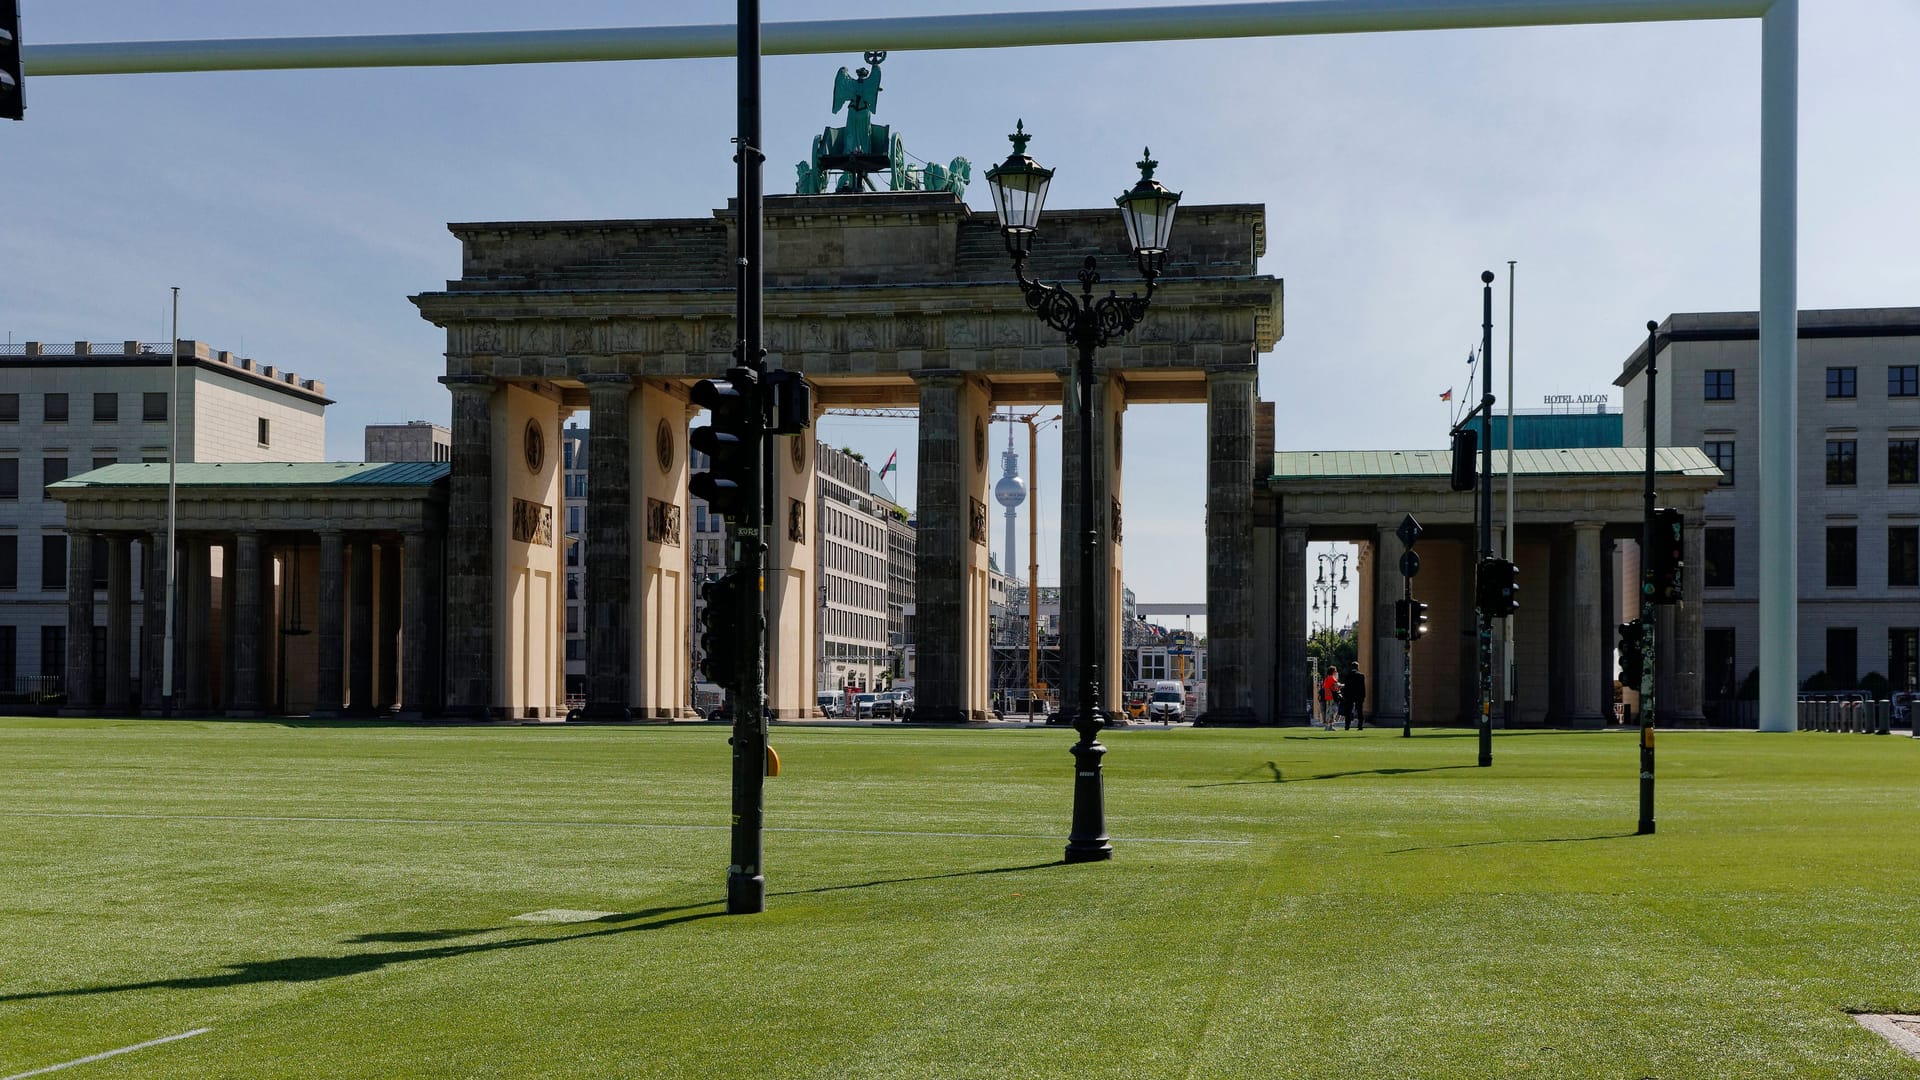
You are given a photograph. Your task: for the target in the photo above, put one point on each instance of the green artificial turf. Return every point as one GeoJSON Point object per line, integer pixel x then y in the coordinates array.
{"type": "Point", "coordinates": [339, 901]}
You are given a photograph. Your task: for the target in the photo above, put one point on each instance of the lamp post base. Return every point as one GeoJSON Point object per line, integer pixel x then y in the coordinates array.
{"type": "Point", "coordinates": [1087, 842]}
{"type": "Point", "coordinates": [746, 893]}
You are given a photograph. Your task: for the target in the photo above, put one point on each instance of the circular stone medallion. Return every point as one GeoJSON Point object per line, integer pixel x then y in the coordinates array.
{"type": "Point", "coordinates": [663, 446]}
{"type": "Point", "coordinates": [534, 444]}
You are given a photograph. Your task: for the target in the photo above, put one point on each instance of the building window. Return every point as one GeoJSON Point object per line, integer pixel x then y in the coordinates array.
{"type": "Point", "coordinates": [100, 568]}
{"type": "Point", "coordinates": [265, 432]}
{"type": "Point", "coordinates": [9, 562]}
{"type": "Point", "coordinates": [103, 462]}
{"type": "Point", "coordinates": [573, 520]}
{"type": "Point", "coordinates": [1903, 380]}
{"type": "Point", "coordinates": [573, 649]}
{"type": "Point", "coordinates": [10, 408]}
{"type": "Point", "coordinates": [1719, 569]}
{"type": "Point", "coordinates": [53, 563]}
{"type": "Point", "coordinates": [1843, 461]}
{"type": "Point", "coordinates": [53, 469]}
{"type": "Point", "coordinates": [1843, 547]}
{"type": "Point", "coordinates": [573, 586]}
{"type": "Point", "coordinates": [153, 407]}
{"type": "Point", "coordinates": [106, 408]}
{"type": "Point", "coordinates": [573, 618]}
{"type": "Point", "coordinates": [1718, 679]}
{"type": "Point", "coordinates": [1903, 657]}
{"type": "Point", "coordinates": [54, 408]}
{"type": "Point", "coordinates": [1720, 384]}
{"type": "Point", "coordinates": [1903, 555]}
{"type": "Point", "coordinates": [1841, 382]}
{"type": "Point", "coordinates": [1843, 657]}
{"type": "Point", "coordinates": [53, 651]}
{"type": "Point", "coordinates": [8, 658]}
{"type": "Point", "coordinates": [9, 478]}
{"type": "Point", "coordinates": [1903, 461]}
{"type": "Point", "coordinates": [573, 554]}
{"type": "Point", "coordinates": [1722, 454]}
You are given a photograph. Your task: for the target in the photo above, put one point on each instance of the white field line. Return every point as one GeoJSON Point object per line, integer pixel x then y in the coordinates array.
{"type": "Point", "coordinates": [577, 825]}
{"type": "Point", "coordinates": [110, 1053]}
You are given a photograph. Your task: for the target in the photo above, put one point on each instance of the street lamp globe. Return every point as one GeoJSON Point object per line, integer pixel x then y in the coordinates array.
{"type": "Point", "coordinates": [1148, 210]}
{"type": "Point", "coordinates": [1019, 186]}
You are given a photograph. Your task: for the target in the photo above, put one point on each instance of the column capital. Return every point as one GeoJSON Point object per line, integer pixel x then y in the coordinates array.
{"type": "Point", "coordinates": [1237, 372]}
{"type": "Point", "coordinates": [607, 380]}
{"type": "Point", "coordinates": [468, 383]}
{"type": "Point", "coordinates": [942, 377]}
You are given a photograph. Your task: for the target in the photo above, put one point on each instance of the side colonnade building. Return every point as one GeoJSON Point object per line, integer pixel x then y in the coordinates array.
{"type": "Point", "coordinates": [880, 299]}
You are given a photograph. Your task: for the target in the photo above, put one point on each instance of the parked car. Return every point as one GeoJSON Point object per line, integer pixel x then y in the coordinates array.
{"type": "Point", "coordinates": [863, 705]}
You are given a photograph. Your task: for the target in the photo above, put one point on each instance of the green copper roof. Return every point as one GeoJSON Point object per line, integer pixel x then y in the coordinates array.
{"type": "Point", "coordinates": [263, 473]}
{"type": "Point", "coordinates": [1573, 461]}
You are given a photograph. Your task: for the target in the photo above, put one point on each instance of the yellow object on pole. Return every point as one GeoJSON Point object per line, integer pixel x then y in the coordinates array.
{"type": "Point", "coordinates": [773, 762]}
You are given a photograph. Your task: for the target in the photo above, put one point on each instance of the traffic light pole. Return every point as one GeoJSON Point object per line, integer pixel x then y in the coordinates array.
{"type": "Point", "coordinates": [1406, 659]}
{"type": "Point", "coordinates": [1486, 512]}
{"type": "Point", "coordinates": [746, 881]}
{"type": "Point", "coordinates": [1649, 655]}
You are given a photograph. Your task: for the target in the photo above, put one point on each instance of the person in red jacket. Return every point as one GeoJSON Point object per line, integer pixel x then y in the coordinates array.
{"type": "Point", "coordinates": [1329, 698]}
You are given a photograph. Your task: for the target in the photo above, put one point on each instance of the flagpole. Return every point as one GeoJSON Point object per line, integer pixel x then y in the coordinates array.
{"type": "Point", "coordinates": [1507, 624]}
{"type": "Point", "coordinates": [173, 456]}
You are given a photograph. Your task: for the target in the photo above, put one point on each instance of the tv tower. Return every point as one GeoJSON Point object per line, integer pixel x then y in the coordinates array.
{"type": "Point", "coordinates": [1010, 492]}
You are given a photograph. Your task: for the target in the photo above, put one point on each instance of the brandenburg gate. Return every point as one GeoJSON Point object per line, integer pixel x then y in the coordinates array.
{"type": "Point", "coordinates": [899, 298]}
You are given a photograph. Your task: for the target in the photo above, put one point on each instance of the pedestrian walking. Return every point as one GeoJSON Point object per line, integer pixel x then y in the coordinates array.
{"type": "Point", "coordinates": [1329, 698]}
{"type": "Point", "coordinates": [1353, 697]}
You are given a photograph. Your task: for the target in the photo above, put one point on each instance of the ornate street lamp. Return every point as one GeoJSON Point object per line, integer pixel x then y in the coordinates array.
{"type": "Point", "coordinates": [1019, 191]}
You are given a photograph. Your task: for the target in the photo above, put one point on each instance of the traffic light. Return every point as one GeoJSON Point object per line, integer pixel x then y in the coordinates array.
{"type": "Point", "coordinates": [1632, 667]}
{"type": "Point", "coordinates": [1409, 620]}
{"type": "Point", "coordinates": [1496, 588]}
{"type": "Point", "coordinates": [13, 77]}
{"type": "Point", "coordinates": [792, 402]}
{"type": "Point", "coordinates": [726, 650]}
{"type": "Point", "coordinates": [1466, 470]}
{"type": "Point", "coordinates": [732, 445]}
{"type": "Point", "coordinates": [1666, 560]}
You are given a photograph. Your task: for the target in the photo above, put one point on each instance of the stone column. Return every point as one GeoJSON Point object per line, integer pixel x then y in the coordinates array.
{"type": "Point", "coordinates": [940, 555]}
{"type": "Point", "coordinates": [154, 626]}
{"type": "Point", "coordinates": [197, 591]}
{"type": "Point", "coordinates": [1387, 682]}
{"type": "Point", "coordinates": [1296, 678]}
{"type": "Point", "coordinates": [330, 666]}
{"type": "Point", "coordinates": [360, 625]}
{"type": "Point", "coordinates": [386, 692]}
{"type": "Point", "coordinates": [80, 659]}
{"type": "Point", "coordinates": [118, 695]}
{"type": "Point", "coordinates": [1108, 407]}
{"type": "Point", "coordinates": [249, 625]}
{"type": "Point", "coordinates": [1688, 635]}
{"type": "Point", "coordinates": [609, 541]}
{"type": "Point", "coordinates": [469, 555]}
{"type": "Point", "coordinates": [416, 630]}
{"type": "Point", "coordinates": [1230, 400]}
{"type": "Point", "coordinates": [1591, 686]}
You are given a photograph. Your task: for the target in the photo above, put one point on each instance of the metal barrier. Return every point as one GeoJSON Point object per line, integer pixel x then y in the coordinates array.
{"type": "Point", "coordinates": [1859, 717]}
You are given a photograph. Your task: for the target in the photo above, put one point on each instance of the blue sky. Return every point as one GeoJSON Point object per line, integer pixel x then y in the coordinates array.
{"type": "Point", "coordinates": [1617, 165]}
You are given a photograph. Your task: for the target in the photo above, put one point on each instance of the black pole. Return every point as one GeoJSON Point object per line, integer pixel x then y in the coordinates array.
{"type": "Point", "coordinates": [1406, 658]}
{"type": "Point", "coordinates": [1649, 655]}
{"type": "Point", "coordinates": [746, 881]}
{"type": "Point", "coordinates": [1486, 510]}
{"type": "Point", "coordinates": [1087, 839]}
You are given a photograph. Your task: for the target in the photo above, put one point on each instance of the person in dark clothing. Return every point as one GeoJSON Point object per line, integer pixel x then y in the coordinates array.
{"type": "Point", "coordinates": [1353, 697]}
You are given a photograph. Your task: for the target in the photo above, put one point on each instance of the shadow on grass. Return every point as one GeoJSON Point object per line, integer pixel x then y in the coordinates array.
{"type": "Point", "coordinates": [302, 969]}
{"type": "Point", "coordinates": [1278, 778]}
{"type": "Point", "coordinates": [924, 877]}
{"type": "Point", "coordinates": [1537, 840]}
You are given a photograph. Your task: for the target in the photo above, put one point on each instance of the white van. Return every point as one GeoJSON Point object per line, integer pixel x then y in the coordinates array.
{"type": "Point", "coordinates": [827, 702]}
{"type": "Point", "coordinates": [1168, 703]}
